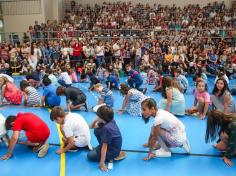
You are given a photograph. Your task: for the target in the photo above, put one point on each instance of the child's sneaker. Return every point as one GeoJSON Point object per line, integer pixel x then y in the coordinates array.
{"type": "Point", "coordinates": [121, 156]}
{"type": "Point", "coordinates": [162, 153]}
{"type": "Point", "coordinates": [43, 150]}
{"type": "Point", "coordinates": [186, 146]}
{"type": "Point", "coordinates": [73, 150]}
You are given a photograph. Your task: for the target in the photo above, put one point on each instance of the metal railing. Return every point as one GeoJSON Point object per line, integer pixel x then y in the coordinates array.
{"type": "Point", "coordinates": [107, 34]}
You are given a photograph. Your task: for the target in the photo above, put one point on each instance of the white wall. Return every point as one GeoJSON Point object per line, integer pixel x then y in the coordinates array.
{"type": "Point", "coordinates": [164, 2]}
{"type": "Point", "coordinates": [21, 23]}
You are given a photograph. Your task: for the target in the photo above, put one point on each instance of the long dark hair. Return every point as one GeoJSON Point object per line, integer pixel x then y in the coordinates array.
{"type": "Point", "coordinates": [124, 89]}
{"type": "Point", "coordinates": [226, 87]}
{"type": "Point", "coordinates": [166, 82]}
{"type": "Point", "coordinates": [149, 103]}
{"type": "Point", "coordinates": [217, 121]}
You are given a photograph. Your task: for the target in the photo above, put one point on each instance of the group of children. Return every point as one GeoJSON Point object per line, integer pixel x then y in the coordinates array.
{"type": "Point", "coordinates": [167, 131]}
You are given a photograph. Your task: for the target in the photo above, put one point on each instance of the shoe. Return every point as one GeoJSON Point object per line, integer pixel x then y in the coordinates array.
{"type": "Point", "coordinates": [162, 153]}
{"type": "Point", "coordinates": [73, 150]}
{"type": "Point", "coordinates": [90, 147]}
{"type": "Point", "coordinates": [43, 150]}
{"type": "Point", "coordinates": [86, 107]}
{"type": "Point", "coordinates": [121, 156]}
{"type": "Point", "coordinates": [144, 90]}
{"type": "Point", "coordinates": [186, 146]}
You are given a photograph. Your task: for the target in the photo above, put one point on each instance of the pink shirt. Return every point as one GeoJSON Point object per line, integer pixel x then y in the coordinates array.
{"type": "Point", "coordinates": [205, 95]}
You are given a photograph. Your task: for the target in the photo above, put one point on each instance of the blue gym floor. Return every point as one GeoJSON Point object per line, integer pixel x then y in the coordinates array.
{"type": "Point", "coordinates": [204, 160]}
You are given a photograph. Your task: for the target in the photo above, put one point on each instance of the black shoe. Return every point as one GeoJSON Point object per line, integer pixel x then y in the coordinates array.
{"type": "Point", "coordinates": [144, 90]}
{"type": "Point", "coordinates": [86, 107]}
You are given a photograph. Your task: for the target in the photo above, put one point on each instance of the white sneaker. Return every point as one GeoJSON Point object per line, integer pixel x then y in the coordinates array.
{"type": "Point", "coordinates": [43, 150]}
{"type": "Point", "coordinates": [162, 153]}
{"type": "Point", "coordinates": [186, 146]}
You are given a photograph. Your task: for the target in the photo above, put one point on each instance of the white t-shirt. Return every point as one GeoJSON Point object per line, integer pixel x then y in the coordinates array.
{"type": "Point", "coordinates": [76, 126]}
{"type": "Point", "coordinates": [2, 125]}
{"type": "Point", "coordinates": [166, 120]}
{"type": "Point", "coordinates": [116, 47]}
{"type": "Point", "coordinates": [65, 76]}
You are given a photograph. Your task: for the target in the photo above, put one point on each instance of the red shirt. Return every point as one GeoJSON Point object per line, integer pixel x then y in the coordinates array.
{"type": "Point", "coordinates": [77, 49]}
{"type": "Point", "coordinates": [35, 129]}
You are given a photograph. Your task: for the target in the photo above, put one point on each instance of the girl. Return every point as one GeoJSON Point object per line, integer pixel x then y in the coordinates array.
{"type": "Point", "coordinates": [173, 100]}
{"type": "Point", "coordinates": [10, 92]}
{"type": "Point", "coordinates": [71, 73]}
{"type": "Point", "coordinates": [31, 96]}
{"type": "Point", "coordinates": [159, 78]}
{"type": "Point", "coordinates": [109, 137]}
{"type": "Point", "coordinates": [167, 130]}
{"type": "Point", "coordinates": [221, 98]}
{"type": "Point", "coordinates": [132, 101]}
{"type": "Point", "coordinates": [225, 124]}
{"type": "Point", "coordinates": [202, 98]}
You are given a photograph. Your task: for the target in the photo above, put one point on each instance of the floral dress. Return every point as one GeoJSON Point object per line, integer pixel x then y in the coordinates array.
{"type": "Point", "coordinates": [13, 94]}
{"type": "Point", "coordinates": [133, 106]}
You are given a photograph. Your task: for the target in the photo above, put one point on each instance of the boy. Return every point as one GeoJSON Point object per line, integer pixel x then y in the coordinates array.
{"type": "Point", "coordinates": [106, 96]}
{"type": "Point", "coordinates": [181, 79]}
{"type": "Point", "coordinates": [109, 137]}
{"type": "Point", "coordinates": [74, 129]}
{"type": "Point", "coordinates": [75, 98]}
{"type": "Point", "coordinates": [134, 79]}
{"type": "Point", "coordinates": [112, 81]}
{"type": "Point", "coordinates": [36, 131]}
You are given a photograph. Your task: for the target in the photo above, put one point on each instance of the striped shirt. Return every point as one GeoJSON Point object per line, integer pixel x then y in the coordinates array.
{"type": "Point", "coordinates": [33, 97]}
{"type": "Point", "coordinates": [107, 97]}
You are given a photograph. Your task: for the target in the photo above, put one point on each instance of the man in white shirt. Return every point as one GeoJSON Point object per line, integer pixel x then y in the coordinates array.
{"type": "Point", "coordinates": [74, 128]}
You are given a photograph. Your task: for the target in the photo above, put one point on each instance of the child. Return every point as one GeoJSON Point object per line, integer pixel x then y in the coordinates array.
{"type": "Point", "coordinates": [31, 96]}
{"type": "Point", "coordinates": [151, 77]}
{"type": "Point", "coordinates": [71, 73]}
{"type": "Point", "coordinates": [83, 76]}
{"type": "Point", "coordinates": [158, 85]}
{"type": "Point", "coordinates": [3, 133]}
{"type": "Point", "coordinates": [181, 79]}
{"type": "Point", "coordinates": [109, 138]}
{"type": "Point", "coordinates": [93, 80]}
{"type": "Point", "coordinates": [225, 125]}
{"type": "Point", "coordinates": [75, 98]}
{"type": "Point", "coordinates": [106, 96]}
{"type": "Point", "coordinates": [134, 79]}
{"type": "Point", "coordinates": [221, 97]}
{"type": "Point", "coordinates": [51, 76]}
{"type": "Point", "coordinates": [202, 98]}
{"type": "Point", "coordinates": [49, 98]}
{"type": "Point", "coordinates": [10, 92]}
{"type": "Point", "coordinates": [100, 72]}
{"type": "Point", "coordinates": [111, 80]}
{"type": "Point", "coordinates": [74, 128]}
{"type": "Point", "coordinates": [64, 78]}
{"type": "Point", "coordinates": [36, 131]}
{"type": "Point", "coordinates": [167, 130]}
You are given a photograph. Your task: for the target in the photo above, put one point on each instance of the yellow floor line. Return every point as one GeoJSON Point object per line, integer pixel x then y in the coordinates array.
{"type": "Point", "coordinates": [63, 156]}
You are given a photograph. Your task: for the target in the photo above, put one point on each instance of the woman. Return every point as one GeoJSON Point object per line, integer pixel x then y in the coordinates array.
{"type": "Point", "coordinates": [173, 100]}
{"type": "Point", "coordinates": [10, 92]}
{"type": "Point", "coordinates": [167, 130]}
{"type": "Point", "coordinates": [221, 98]}
{"type": "Point", "coordinates": [132, 101]}
{"type": "Point", "coordinates": [225, 124]}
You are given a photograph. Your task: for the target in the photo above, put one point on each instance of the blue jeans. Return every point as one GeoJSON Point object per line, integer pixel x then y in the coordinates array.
{"type": "Point", "coordinates": [100, 60]}
{"type": "Point", "coordinates": [62, 82]}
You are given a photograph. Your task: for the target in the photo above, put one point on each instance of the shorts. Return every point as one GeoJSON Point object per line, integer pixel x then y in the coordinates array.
{"type": "Point", "coordinates": [79, 100]}
{"type": "Point", "coordinates": [81, 141]}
